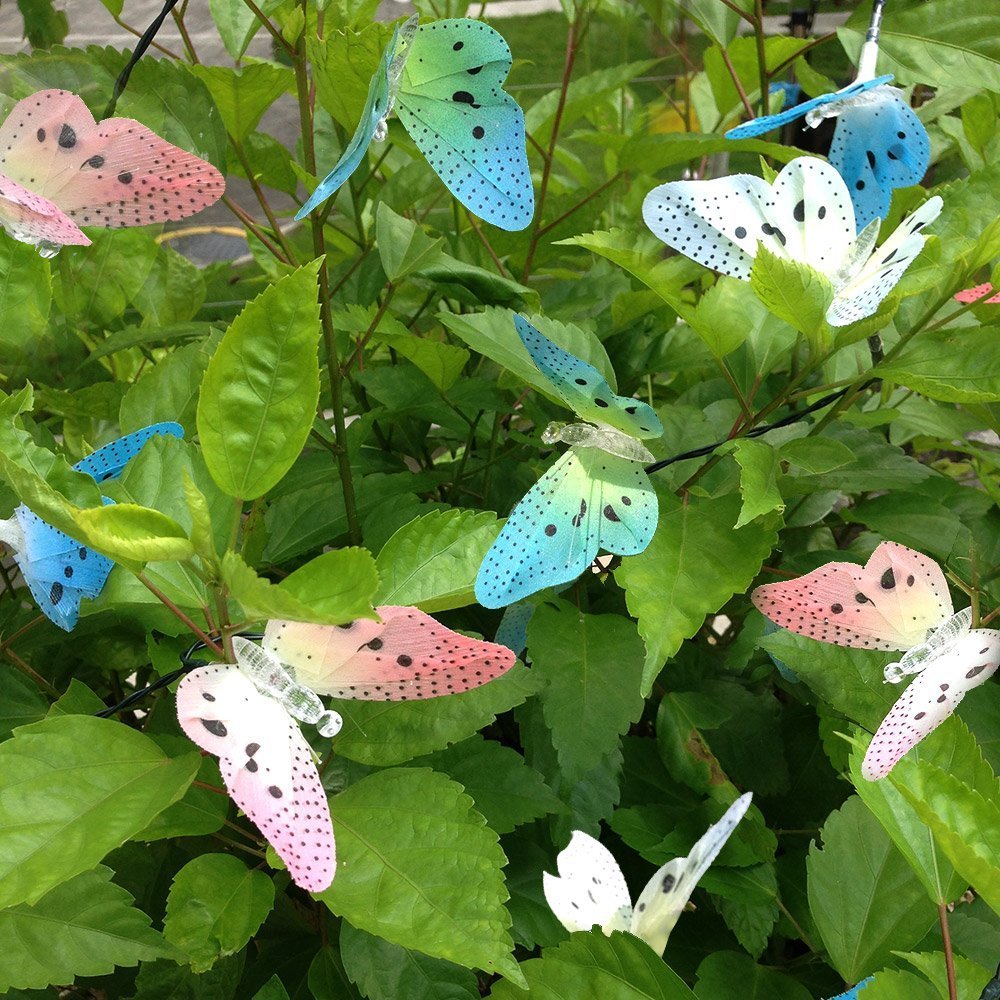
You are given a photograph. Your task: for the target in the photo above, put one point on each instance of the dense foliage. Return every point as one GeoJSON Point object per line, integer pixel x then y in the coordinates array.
{"type": "Point", "coordinates": [361, 446]}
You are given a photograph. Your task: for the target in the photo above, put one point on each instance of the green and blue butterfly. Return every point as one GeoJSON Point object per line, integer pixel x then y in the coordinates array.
{"type": "Point", "coordinates": [444, 80]}
{"type": "Point", "coordinates": [596, 496]}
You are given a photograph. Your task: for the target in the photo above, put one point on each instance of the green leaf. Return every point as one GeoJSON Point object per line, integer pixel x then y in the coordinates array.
{"type": "Point", "coordinates": [84, 927]}
{"type": "Point", "coordinates": [442, 363]}
{"type": "Point", "coordinates": [236, 23]}
{"type": "Point", "coordinates": [201, 810]}
{"type": "Point", "coordinates": [385, 971]}
{"type": "Point", "coordinates": [794, 292]}
{"type": "Point", "coordinates": [386, 732]}
{"type": "Point", "coordinates": [332, 589]}
{"type": "Point", "coordinates": [695, 563]}
{"type": "Point", "coordinates": [586, 705]}
{"type": "Point", "coordinates": [970, 978]}
{"type": "Point", "coordinates": [727, 975]}
{"type": "Point", "coordinates": [815, 454]}
{"type": "Point", "coordinates": [402, 245]}
{"type": "Point", "coordinates": [133, 535]}
{"type": "Point", "coordinates": [173, 292]}
{"type": "Point", "coordinates": [259, 395]}
{"type": "Point", "coordinates": [862, 895]}
{"type": "Point", "coordinates": [20, 702]}
{"type": "Point", "coordinates": [955, 366]}
{"type": "Point", "coordinates": [170, 981]}
{"type": "Point", "coordinates": [215, 906]}
{"type": "Point", "coordinates": [25, 300]}
{"type": "Point", "coordinates": [621, 967]}
{"type": "Point", "coordinates": [893, 985]}
{"type": "Point", "coordinates": [342, 64]}
{"type": "Point", "coordinates": [759, 468]}
{"type": "Point", "coordinates": [74, 788]}
{"type": "Point", "coordinates": [419, 867]}
{"type": "Point", "coordinates": [504, 788]}
{"type": "Point", "coordinates": [242, 96]}
{"type": "Point", "coordinates": [432, 561]}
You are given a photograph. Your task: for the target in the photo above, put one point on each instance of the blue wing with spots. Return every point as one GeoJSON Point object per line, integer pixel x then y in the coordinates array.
{"type": "Point", "coordinates": [750, 130]}
{"type": "Point", "coordinates": [588, 501]}
{"type": "Point", "coordinates": [512, 631]}
{"type": "Point", "coordinates": [879, 144]}
{"type": "Point", "coordinates": [584, 389]}
{"type": "Point", "coordinates": [108, 462]}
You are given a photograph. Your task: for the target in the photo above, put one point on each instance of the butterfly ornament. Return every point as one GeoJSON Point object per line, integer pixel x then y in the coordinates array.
{"type": "Point", "coordinates": [806, 215]}
{"type": "Point", "coordinates": [590, 888]}
{"type": "Point", "coordinates": [899, 600]}
{"type": "Point", "coordinates": [60, 169]}
{"type": "Point", "coordinates": [596, 496]}
{"type": "Point", "coordinates": [980, 293]}
{"type": "Point", "coordinates": [59, 570]}
{"type": "Point", "coordinates": [247, 714]}
{"type": "Point", "coordinates": [445, 82]}
{"type": "Point", "coordinates": [878, 145]}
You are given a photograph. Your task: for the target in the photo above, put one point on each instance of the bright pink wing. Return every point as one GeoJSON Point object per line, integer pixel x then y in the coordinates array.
{"type": "Point", "coordinates": [408, 655]}
{"type": "Point", "coordinates": [267, 766]}
{"type": "Point", "coordinates": [931, 698]}
{"type": "Point", "coordinates": [29, 217]}
{"type": "Point", "coordinates": [889, 603]}
{"type": "Point", "coordinates": [970, 295]}
{"type": "Point", "coordinates": [113, 173]}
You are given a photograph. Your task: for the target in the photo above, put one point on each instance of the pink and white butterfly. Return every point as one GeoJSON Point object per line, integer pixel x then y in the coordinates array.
{"type": "Point", "coordinates": [899, 600]}
{"type": "Point", "coordinates": [245, 714]}
{"type": "Point", "coordinates": [60, 169]}
{"type": "Point", "coordinates": [969, 295]}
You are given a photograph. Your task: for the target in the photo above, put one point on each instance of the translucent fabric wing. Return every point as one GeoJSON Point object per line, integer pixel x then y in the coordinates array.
{"type": "Point", "coordinates": [451, 101]}
{"type": "Point", "coordinates": [879, 145]}
{"type": "Point", "coordinates": [931, 697]}
{"type": "Point", "coordinates": [588, 501]}
{"type": "Point", "coordinates": [30, 218]}
{"type": "Point", "coordinates": [109, 461]}
{"type": "Point", "coordinates": [969, 295]}
{"type": "Point", "coordinates": [112, 173]}
{"type": "Point", "coordinates": [590, 889]}
{"type": "Point", "coordinates": [512, 631]}
{"type": "Point", "coordinates": [267, 767]}
{"type": "Point", "coordinates": [667, 893]}
{"type": "Point", "coordinates": [405, 656]}
{"type": "Point", "coordinates": [889, 603]}
{"type": "Point", "coordinates": [584, 389]}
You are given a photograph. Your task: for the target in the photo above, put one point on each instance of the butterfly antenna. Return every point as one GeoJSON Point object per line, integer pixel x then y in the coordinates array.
{"type": "Point", "coordinates": [145, 40]}
{"type": "Point", "coordinates": [869, 51]}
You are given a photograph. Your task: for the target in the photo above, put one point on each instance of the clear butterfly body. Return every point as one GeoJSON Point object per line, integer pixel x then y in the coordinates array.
{"type": "Point", "coordinates": [590, 888]}
{"type": "Point", "coordinates": [898, 600]}
{"type": "Point", "coordinates": [805, 216]}
{"type": "Point", "coordinates": [596, 496]}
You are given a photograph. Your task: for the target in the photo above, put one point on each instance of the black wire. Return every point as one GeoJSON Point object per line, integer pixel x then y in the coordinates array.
{"type": "Point", "coordinates": [792, 418]}
{"type": "Point", "coordinates": [187, 658]}
{"type": "Point", "coordinates": [145, 40]}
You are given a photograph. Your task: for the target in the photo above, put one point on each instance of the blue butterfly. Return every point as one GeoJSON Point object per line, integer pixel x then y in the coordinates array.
{"type": "Point", "coordinates": [59, 571]}
{"type": "Point", "coordinates": [445, 80]}
{"type": "Point", "coordinates": [596, 496]}
{"type": "Point", "coordinates": [879, 143]}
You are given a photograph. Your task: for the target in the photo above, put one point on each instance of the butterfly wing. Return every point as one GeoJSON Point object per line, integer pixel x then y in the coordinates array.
{"type": "Point", "coordinates": [931, 697]}
{"type": "Point", "coordinates": [861, 296]}
{"type": "Point", "coordinates": [109, 461]}
{"type": "Point", "coordinates": [267, 767]}
{"type": "Point", "coordinates": [590, 888]}
{"type": "Point", "coordinates": [451, 101]}
{"type": "Point", "coordinates": [59, 571]}
{"type": "Point", "coordinates": [407, 655]}
{"type": "Point", "coordinates": [512, 631]}
{"type": "Point", "coordinates": [587, 501]}
{"type": "Point", "coordinates": [584, 389]}
{"type": "Point", "coordinates": [668, 891]}
{"type": "Point", "coordinates": [879, 144]}
{"type": "Point", "coordinates": [889, 603]}
{"type": "Point", "coordinates": [30, 218]}
{"type": "Point", "coordinates": [113, 173]}
{"type": "Point", "coordinates": [969, 295]}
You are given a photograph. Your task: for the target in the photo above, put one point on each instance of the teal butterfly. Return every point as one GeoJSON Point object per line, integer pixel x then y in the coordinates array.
{"type": "Point", "coordinates": [445, 81]}
{"type": "Point", "coordinates": [597, 495]}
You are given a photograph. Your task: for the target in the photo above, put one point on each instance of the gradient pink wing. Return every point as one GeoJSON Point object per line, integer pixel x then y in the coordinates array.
{"type": "Point", "coordinates": [267, 766]}
{"type": "Point", "coordinates": [113, 173]}
{"type": "Point", "coordinates": [969, 295]}
{"type": "Point", "coordinates": [931, 698]}
{"type": "Point", "coordinates": [30, 218]}
{"type": "Point", "coordinates": [408, 655]}
{"type": "Point", "coordinates": [889, 603]}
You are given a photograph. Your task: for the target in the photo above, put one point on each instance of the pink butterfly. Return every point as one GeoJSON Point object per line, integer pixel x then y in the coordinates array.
{"type": "Point", "coordinates": [246, 714]}
{"type": "Point", "coordinates": [898, 600]}
{"type": "Point", "coordinates": [61, 169]}
{"type": "Point", "coordinates": [969, 295]}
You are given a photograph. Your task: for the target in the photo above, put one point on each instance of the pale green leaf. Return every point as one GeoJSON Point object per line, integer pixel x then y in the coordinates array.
{"type": "Point", "coordinates": [133, 535]}
{"type": "Point", "coordinates": [795, 293]}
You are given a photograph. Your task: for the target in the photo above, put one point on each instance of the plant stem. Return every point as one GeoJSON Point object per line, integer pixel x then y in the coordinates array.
{"type": "Point", "coordinates": [210, 643]}
{"type": "Point", "coordinates": [326, 318]}
{"type": "Point", "coordinates": [590, 197]}
{"type": "Point", "coordinates": [949, 958]}
{"type": "Point", "coordinates": [269, 27]}
{"type": "Point", "coordinates": [248, 220]}
{"type": "Point", "coordinates": [30, 671]}
{"type": "Point", "coordinates": [736, 82]}
{"type": "Point", "coordinates": [486, 243]}
{"type": "Point", "coordinates": [262, 200]}
{"type": "Point", "coordinates": [765, 97]}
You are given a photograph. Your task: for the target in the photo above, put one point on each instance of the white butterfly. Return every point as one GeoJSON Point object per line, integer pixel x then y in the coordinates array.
{"type": "Point", "coordinates": [590, 888]}
{"type": "Point", "coordinates": [805, 216]}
